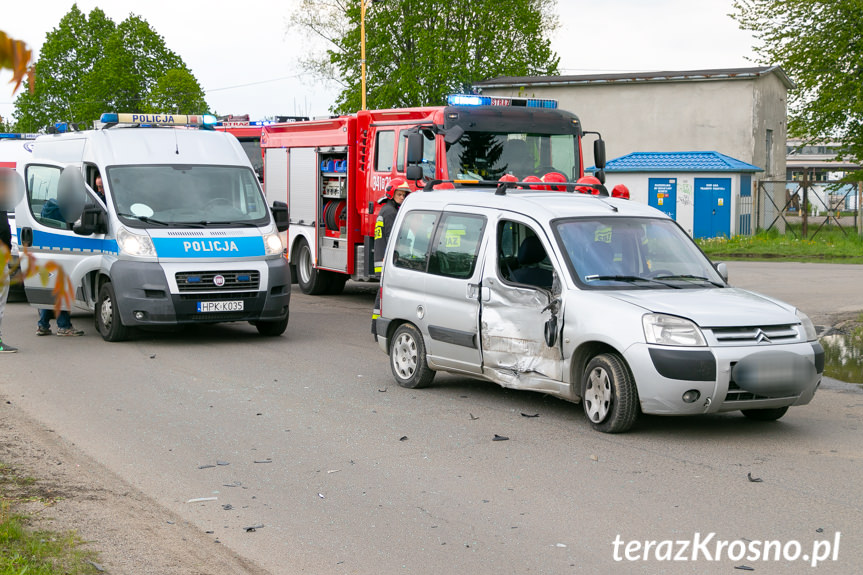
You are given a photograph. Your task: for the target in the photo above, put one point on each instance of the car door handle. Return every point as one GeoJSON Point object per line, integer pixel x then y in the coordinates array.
{"type": "Point", "coordinates": [26, 238]}
{"type": "Point", "coordinates": [477, 291]}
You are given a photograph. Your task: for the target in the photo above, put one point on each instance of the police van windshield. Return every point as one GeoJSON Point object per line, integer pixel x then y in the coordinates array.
{"type": "Point", "coordinates": [488, 155]}
{"type": "Point", "coordinates": [633, 253]}
{"type": "Point", "coordinates": [176, 195]}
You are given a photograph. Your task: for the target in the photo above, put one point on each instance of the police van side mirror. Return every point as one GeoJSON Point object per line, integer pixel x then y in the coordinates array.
{"type": "Point", "coordinates": [280, 215]}
{"type": "Point", "coordinates": [93, 221]}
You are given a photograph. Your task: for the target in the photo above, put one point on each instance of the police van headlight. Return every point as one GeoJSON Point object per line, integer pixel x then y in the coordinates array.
{"type": "Point", "coordinates": [135, 245]}
{"type": "Point", "coordinates": [664, 329]}
{"type": "Point", "coordinates": [273, 244]}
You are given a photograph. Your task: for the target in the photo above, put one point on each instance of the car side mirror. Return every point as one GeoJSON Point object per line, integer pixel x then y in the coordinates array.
{"type": "Point", "coordinates": [599, 153]}
{"type": "Point", "coordinates": [93, 221]}
{"type": "Point", "coordinates": [281, 215]}
{"type": "Point", "coordinates": [414, 172]}
{"type": "Point", "coordinates": [722, 270]}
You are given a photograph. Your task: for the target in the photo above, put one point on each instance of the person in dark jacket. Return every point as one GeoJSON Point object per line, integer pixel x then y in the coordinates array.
{"type": "Point", "coordinates": [394, 194]}
{"type": "Point", "coordinates": [6, 200]}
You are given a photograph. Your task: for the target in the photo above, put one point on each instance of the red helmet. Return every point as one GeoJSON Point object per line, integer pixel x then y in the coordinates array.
{"type": "Point", "coordinates": [395, 184]}
{"type": "Point", "coordinates": [444, 186]}
{"type": "Point", "coordinates": [620, 191]}
{"type": "Point", "coordinates": [532, 179]}
{"type": "Point", "coordinates": [508, 178]}
{"type": "Point", "coordinates": [585, 189]}
{"type": "Point", "coordinates": [555, 177]}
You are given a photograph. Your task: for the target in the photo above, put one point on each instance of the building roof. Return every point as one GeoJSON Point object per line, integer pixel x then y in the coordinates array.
{"type": "Point", "coordinates": [726, 74]}
{"type": "Point", "coordinates": [678, 162]}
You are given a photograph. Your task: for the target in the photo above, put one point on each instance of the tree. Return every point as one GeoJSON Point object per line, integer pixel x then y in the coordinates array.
{"type": "Point", "coordinates": [819, 45]}
{"type": "Point", "coordinates": [89, 65]}
{"type": "Point", "coordinates": [418, 51]}
{"type": "Point", "coordinates": [176, 91]}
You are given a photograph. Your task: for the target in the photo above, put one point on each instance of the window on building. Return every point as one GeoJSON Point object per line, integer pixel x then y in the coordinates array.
{"type": "Point", "coordinates": [769, 157]}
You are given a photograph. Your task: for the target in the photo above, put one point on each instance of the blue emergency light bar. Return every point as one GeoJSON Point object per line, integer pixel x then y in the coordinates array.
{"type": "Point", "coordinates": [477, 100]}
{"type": "Point", "coordinates": [243, 123]}
{"type": "Point", "coordinates": [17, 136]}
{"type": "Point", "coordinates": [159, 119]}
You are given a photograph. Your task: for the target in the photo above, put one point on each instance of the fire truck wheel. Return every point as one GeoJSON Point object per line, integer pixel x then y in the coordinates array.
{"type": "Point", "coordinates": [108, 320]}
{"type": "Point", "coordinates": [272, 328]}
{"type": "Point", "coordinates": [311, 280]}
{"type": "Point", "coordinates": [337, 283]}
{"type": "Point", "coordinates": [408, 358]}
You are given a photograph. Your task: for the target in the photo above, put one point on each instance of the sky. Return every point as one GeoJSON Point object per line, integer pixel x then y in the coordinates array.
{"type": "Point", "coordinates": [246, 57]}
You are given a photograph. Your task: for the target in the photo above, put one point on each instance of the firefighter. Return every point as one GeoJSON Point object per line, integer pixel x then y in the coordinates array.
{"type": "Point", "coordinates": [395, 193]}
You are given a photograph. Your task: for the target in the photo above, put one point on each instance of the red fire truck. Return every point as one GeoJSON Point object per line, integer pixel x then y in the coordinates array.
{"type": "Point", "coordinates": [333, 171]}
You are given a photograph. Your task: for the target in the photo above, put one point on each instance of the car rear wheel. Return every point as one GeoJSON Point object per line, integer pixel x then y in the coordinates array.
{"type": "Point", "coordinates": [765, 414]}
{"type": "Point", "coordinates": [312, 281]}
{"type": "Point", "coordinates": [408, 358]}
{"type": "Point", "coordinates": [608, 394]}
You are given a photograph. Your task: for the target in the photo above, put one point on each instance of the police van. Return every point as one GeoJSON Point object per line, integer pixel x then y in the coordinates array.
{"type": "Point", "coordinates": [156, 222]}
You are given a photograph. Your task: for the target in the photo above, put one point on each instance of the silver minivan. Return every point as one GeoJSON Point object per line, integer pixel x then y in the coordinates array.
{"type": "Point", "coordinates": [588, 298]}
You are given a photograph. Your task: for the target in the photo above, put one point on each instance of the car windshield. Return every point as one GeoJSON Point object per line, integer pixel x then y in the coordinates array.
{"type": "Point", "coordinates": [633, 253]}
{"type": "Point", "coordinates": [147, 196]}
{"type": "Point", "coordinates": [488, 156]}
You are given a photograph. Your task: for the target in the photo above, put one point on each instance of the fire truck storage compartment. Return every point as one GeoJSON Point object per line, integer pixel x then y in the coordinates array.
{"type": "Point", "coordinates": [302, 178]}
{"type": "Point", "coordinates": [333, 192]}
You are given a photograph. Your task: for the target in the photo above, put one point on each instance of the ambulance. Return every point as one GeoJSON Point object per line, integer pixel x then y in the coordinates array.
{"type": "Point", "coordinates": [179, 234]}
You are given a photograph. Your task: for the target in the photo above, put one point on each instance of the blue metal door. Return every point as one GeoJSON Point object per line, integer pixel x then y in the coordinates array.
{"type": "Point", "coordinates": [712, 207]}
{"type": "Point", "coordinates": [662, 195]}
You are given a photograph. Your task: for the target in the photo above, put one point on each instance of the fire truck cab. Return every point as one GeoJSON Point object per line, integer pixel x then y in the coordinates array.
{"type": "Point", "coordinates": [333, 172]}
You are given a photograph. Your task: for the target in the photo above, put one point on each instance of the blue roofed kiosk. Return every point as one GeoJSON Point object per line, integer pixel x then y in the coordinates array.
{"type": "Point", "coordinates": [709, 194]}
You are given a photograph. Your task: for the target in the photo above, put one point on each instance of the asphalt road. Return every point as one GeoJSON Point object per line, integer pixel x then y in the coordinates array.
{"type": "Point", "coordinates": [348, 473]}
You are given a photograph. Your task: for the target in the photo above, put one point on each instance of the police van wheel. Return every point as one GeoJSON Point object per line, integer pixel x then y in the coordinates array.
{"type": "Point", "coordinates": [108, 320]}
{"type": "Point", "coordinates": [272, 328]}
{"type": "Point", "coordinates": [408, 358]}
{"type": "Point", "coordinates": [311, 280]}
{"type": "Point", "coordinates": [608, 394]}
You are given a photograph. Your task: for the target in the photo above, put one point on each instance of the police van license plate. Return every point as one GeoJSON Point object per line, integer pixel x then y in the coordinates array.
{"type": "Point", "coordinates": [211, 306]}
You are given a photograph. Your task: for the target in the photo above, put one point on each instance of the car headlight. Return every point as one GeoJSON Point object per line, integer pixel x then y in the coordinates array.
{"type": "Point", "coordinates": [808, 326]}
{"type": "Point", "coordinates": [273, 244]}
{"type": "Point", "coordinates": [135, 245]}
{"type": "Point", "coordinates": [664, 329]}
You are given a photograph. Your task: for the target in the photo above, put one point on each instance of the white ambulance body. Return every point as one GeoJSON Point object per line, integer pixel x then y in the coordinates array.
{"type": "Point", "coordinates": [182, 235]}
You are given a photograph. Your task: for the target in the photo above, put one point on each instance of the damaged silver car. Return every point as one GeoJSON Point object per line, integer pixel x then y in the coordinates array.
{"type": "Point", "coordinates": [592, 299]}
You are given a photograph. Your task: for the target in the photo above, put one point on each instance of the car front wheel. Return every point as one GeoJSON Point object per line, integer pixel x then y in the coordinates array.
{"type": "Point", "coordinates": [608, 394]}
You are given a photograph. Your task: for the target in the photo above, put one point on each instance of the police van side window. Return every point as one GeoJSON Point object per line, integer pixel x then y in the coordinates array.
{"type": "Point", "coordinates": [413, 241]}
{"type": "Point", "coordinates": [42, 184]}
{"type": "Point", "coordinates": [384, 151]}
{"type": "Point", "coordinates": [456, 245]}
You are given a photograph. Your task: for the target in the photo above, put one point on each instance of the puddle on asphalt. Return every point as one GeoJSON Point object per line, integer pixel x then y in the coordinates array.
{"type": "Point", "coordinates": [843, 357]}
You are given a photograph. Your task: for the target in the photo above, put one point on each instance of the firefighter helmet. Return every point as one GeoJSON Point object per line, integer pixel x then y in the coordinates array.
{"type": "Point", "coordinates": [554, 177]}
{"type": "Point", "coordinates": [391, 187]}
{"type": "Point", "coordinates": [586, 189]}
{"type": "Point", "coordinates": [508, 178]}
{"type": "Point", "coordinates": [620, 191]}
{"type": "Point", "coordinates": [530, 179]}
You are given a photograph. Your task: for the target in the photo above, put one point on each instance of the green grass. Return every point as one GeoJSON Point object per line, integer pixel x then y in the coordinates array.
{"type": "Point", "coordinates": [830, 245]}
{"type": "Point", "coordinates": [28, 551]}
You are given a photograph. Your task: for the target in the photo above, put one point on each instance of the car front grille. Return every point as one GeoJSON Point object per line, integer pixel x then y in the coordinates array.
{"type": "Point", "coordinates": [756, 334]}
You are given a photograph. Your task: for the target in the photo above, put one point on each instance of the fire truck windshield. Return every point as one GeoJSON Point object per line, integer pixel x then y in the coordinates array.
{"type": "Point", "coordinates": [163, 195]}
{"type": "Point", "coordinates": [490, 155]}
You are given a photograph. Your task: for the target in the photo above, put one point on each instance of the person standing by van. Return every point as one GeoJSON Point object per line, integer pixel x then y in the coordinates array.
{"type": "Point", "coordinates": [394, 194]}
{"type": "Point", "coordinates": [6, 200]}
{"type": "Point", "coordinates": [64, 320]}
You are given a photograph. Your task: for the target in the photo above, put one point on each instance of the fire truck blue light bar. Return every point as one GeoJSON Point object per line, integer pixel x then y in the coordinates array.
{"type": "Point", "coordinates": [477, 100]}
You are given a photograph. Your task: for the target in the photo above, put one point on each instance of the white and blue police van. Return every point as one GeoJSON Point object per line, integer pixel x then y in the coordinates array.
{"type": "Point", "coordinates": [180, 233]}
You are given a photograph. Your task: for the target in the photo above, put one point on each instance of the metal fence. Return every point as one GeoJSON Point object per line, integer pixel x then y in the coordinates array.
{"type": "Point", "coordinates": [803, 208]}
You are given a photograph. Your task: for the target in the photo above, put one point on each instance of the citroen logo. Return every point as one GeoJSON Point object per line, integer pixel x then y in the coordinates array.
{"type": "Point", "coordinates": [761, 337]}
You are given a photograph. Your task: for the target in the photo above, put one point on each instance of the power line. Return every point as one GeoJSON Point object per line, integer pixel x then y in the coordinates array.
{"type": "Point", "coordinates": [254, 83]}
